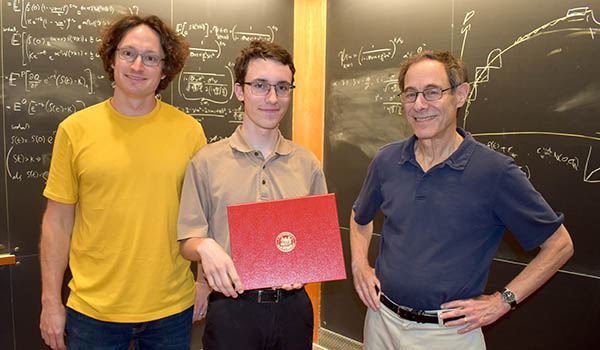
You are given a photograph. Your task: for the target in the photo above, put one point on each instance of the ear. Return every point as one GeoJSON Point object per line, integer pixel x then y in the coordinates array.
{"type": "Point", "coordinates": [462, 93]}
{"type": "Point", "coordinates": [239, 92]}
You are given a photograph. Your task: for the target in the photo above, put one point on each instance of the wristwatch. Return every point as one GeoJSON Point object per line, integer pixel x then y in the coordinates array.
{"type": "Point", "coordinates": [509, 297]}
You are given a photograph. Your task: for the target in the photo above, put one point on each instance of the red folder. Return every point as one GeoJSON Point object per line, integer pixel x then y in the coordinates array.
{"type": "Point", "coordinates": [284, 241]}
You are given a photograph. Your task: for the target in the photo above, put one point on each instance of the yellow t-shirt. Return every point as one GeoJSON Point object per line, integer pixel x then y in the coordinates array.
{"type": "Point", "coordinates": [125, 175]}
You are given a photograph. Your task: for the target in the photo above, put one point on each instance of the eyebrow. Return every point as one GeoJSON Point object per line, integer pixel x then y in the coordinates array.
{"type": "Point", "coordinates": [266, 81]}
{"type": "Point", "coordinates": [428, 86]}
{"type": "Point", "coordinates": [136, 50]}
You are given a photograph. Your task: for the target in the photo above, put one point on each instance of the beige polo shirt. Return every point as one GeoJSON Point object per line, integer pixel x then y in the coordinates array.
{"type": "Point", "coordinates": [230, 171]}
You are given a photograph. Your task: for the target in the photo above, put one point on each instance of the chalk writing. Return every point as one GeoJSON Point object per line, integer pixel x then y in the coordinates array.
{"type": "Point", "coordinates": [32, 80]}
{"type": "Point", "coordinates": [590, 176]}
{"type": "Point", "coordinates": [226, 34]}
{"type": "Point", "coordinates": [371, 54]}
{"type": "Point", "coordinates": [207, 87]}
{"type": "Point", "coordinates": [546, 152]}
{"type": "Point", "coordinates": [549, 153]}
{"type": "Point", "coordinates": [33, 107]}
{"type": "Point", "coordinates": [494, 59]}
{"type": "Point", "coordinates": [382, 86]}
{"type": "Point", "coordinates": [508, 150]}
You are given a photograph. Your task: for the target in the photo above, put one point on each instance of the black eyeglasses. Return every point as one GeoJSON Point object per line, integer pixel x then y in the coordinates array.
{"type": "Point", "coordinates": [129, 54]}
{"type": "Point", "coordinates": [430, 94]}
{"type": "Point", "coordinates": [262, 88]}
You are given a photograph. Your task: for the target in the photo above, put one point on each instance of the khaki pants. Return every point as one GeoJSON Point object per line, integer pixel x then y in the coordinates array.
{"type": "Point", "coordinates": [384, 330]}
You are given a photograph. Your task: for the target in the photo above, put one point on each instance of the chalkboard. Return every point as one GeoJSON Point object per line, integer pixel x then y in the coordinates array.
{"type": "Point", "coordinates": [535, 97]}
{"type": "Point", "coordinates": [50, 69]}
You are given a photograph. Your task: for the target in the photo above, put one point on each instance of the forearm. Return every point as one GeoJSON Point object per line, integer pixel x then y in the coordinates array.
{"type": "Point", "coordinates": [553, 254]}
{"type": "Point", "coordinates": [189, 250]}
{"type": "Point", "coordinates": [54, 257]}
{"type": "Point", "coordinates": [360, 238]}
{"type": "Point", "coordinates": [200, 274]}
{"type": "Point", "coordinates": [55, 242]}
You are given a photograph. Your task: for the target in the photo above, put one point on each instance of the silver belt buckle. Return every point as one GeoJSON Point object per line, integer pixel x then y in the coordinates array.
{"type": "Point", "coordinates": [275, 301]}
{"type": "Point", "coordinates": [440, 320]}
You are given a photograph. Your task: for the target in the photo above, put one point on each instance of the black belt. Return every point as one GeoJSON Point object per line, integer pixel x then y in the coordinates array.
{"type": "Point", "coordinates": [407, 313]}
{"type": "Point", "coordinates": [261, 296]}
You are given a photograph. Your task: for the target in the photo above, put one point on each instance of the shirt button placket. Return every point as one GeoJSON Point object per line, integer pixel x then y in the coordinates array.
{"type": "Point", "coordinates": [420, 194]}
{"type": "Point", "coordinates": [264, 189]}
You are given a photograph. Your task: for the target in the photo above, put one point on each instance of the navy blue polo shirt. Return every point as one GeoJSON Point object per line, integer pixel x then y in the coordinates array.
{"type": "Point", "coordinates": [443, 227]}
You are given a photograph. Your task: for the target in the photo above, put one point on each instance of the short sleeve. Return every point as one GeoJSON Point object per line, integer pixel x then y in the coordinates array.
{"type": "Point", "coordinates": [523, 210]}
{"type": "Point", "coordinates": [318, 184]}
{"type": "Point", "coordinates": [369, 199]}
{"type": "Point", "coordinates": [62, 185]}
{"type": "Point", "coordinates": [194, 205]}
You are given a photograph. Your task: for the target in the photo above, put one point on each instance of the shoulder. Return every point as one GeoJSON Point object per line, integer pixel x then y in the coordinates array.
{"type": "Point", "coordinates": [484, 155]}
{"type": "Point", "coordinates": [213, 151]}
{"type": "Point", "coordinates": [175, 114]}
{"type": "Point", "coordinates": [301, 152]}
{"type": "Point", "coordinates": [85, 120]}
{"type": "Point", "coordinates": [86, 113]}
{"type": "Point", "coordinates": [394, 152]}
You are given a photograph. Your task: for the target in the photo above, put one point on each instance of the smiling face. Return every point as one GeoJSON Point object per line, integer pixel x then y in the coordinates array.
{"type": "Point", "coordinates": [264, 112]}
{"type": "Point", "coordinates": [432, 119]}
{"type": "Point", "coordinates": [134, 79]}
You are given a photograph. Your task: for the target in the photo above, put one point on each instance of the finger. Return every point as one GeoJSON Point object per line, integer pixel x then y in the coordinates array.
{"type": "Point", "coordinates": [376, 295]}
{"type": "Point", "coordinates": [235, 279]}
{"type": "Point", "coordinates": [371, 296]}
{"type": "Point", "coordinates": [224, 283]}
{"type": "Point", "coordinates": [53, 343]}
{"type": "Point", "coordinates": [365, 300]}
{"type": "Point", "coordinates": [62, 345]}
{"type": "Point", "coordinates": [211, 283]}
{"type": "Point", "coordinates": [453, 304]}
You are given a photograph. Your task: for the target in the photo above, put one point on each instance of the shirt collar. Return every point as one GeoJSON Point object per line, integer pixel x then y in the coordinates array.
{"type": "Point", "coordinates": [457, 160]}
{"type": "Point", "coordinates": [238, 142]}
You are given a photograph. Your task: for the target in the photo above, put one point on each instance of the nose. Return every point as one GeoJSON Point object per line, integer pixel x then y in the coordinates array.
{"type": "Point", "coordinates": [271, 96]}
{"type": "Point", "coordinates": [137, 63]}
{"type": "Point", "coordinates": [420, 103]}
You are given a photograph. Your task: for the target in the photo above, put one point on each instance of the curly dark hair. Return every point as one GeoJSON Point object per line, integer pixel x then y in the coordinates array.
{"type": "Point", "coordinates": [265, 50]}
{"type": "Point", "coordinates": [174, 46]}
{"type": "Point", "coordinates": [455, 67]}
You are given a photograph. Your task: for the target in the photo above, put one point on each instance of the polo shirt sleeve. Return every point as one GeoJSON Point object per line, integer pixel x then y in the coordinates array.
{"type": "Point", "coordinates": [318, 184]}
{"type": "Point", "coordinates": [195, 203]}
{"type": "Point", "coordinates": [523, 210]}
{"type": "Point", "coordinates": [63, 184]}
{"type": "Point", "coordinates": [369, 199]}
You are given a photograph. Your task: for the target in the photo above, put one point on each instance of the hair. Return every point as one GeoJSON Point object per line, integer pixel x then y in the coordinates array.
{"type": "Point", "coordinates": [265, 50]}
{"type": "Point", "coordinates": [455, 67]}
{"type": "Point", "coordinates": [174, 46]}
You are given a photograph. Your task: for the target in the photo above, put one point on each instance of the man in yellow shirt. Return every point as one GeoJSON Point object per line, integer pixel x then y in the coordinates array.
{"type": "Point", "coordinates": [113, 193]}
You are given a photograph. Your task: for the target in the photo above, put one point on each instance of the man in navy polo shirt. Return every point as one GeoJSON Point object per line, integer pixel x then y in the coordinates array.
{"type": "Point", "coordinates": [447, 200]}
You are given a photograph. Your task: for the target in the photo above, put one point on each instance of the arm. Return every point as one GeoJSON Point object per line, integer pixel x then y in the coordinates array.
{"type": "Point", "coordinates": [486, 309]}
{"type": "Point", "coordinates": [363, 274]}
{"type": "Point", "coordinates": [216, 263]}
{"type": "Point", "coordinates": [57, 226]}
{"type": "Point", "coordinates": [202, 292]}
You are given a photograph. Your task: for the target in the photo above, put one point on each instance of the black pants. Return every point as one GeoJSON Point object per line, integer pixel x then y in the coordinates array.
{"type": "Point", "coordinates": [243, 323]}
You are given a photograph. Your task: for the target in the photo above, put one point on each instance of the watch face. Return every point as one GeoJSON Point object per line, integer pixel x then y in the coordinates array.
{"type": "Point", "coordinates": [509, 297]}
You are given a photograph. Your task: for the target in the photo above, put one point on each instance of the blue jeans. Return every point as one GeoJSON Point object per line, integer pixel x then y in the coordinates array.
{"type": "Point", "coordinates": [86, 333]}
